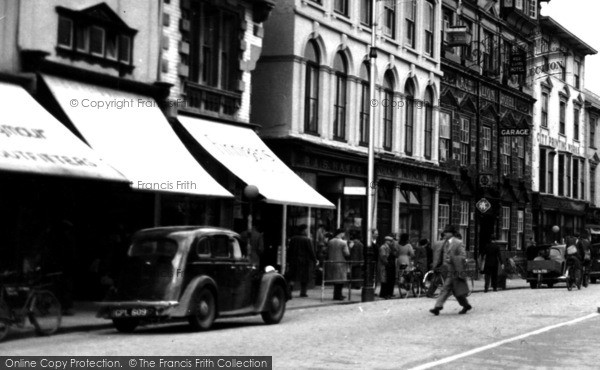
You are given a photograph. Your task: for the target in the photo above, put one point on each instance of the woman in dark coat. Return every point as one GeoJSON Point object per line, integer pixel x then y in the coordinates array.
{"type": "Point", "coordinates": [492, 261]}
{"type": "Point", "coordinates": [301, 257]}
{"type": "Point", "coordinates": [357, 258]}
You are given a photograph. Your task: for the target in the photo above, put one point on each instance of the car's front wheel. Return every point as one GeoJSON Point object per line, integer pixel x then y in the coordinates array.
{"type": "Point", "coordinates": [275, 305]}
{"type": "Point", "coordinates": [126, 325]}
{"type": "Point", "coordinates": [204, 310]}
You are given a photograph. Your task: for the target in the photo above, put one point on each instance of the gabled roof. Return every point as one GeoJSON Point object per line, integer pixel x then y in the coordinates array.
{"type": "Point", "coordinates": [551, 26]}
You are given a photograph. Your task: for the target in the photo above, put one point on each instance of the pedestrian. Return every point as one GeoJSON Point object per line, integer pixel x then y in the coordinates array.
{"type": "Point", "coordinates": [492, 260]}
{"type": "Point", "coordinates": [335, 271]}
{"type": "Point", "coordinates": [387, 276]}
{"type": "Point", "coordinates": [373, 249]}
{"type": "Point", "coordinates": [254, 244]}
{"type": "Point", "coordinates": [302, 258]}
{"type": "Point", "coordinates": [435, 266]}
{"type": "Point", "coordinates": [453, 256]}
{"type": "Point", "coordinates": [357, 258]}
{"type": "Point", "coordinates": [404, 256]}
{"type": "Point", "coordinates": [583, 246]}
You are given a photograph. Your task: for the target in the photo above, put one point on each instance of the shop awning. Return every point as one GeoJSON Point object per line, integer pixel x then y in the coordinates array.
{"type": "Point", "coordinates": [132, 134]}
{"type": "Point", "coordinates": [33, 141]}
{"type": "Point", "coordinates": [241, 151]}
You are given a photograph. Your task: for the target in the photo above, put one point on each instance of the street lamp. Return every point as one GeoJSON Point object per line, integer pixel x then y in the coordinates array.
{"type": "Point", "coordinates": [368, 292]}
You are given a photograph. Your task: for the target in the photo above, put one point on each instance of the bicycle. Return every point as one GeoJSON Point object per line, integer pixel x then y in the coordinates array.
{"type": "Point", "coordinates": [432, 282]}
{"type": "Point", "coordinates": [405, 280]}
{"type": "Point", "coordinates": [418, 287]}
{"type": "Point", "coordinates": [19, 301]}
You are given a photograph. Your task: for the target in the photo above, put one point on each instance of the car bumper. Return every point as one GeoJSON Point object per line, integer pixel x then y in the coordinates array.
{"type": "Point", "coordinates": [136, 309]}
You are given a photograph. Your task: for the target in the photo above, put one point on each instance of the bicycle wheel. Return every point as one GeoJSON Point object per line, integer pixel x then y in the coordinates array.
{"type": "Point", "coordinates": [44, 312]}
{"type": "Point", "coordinates": [416, 286]}
{"type": "Point", "coordinates": [4, 326]}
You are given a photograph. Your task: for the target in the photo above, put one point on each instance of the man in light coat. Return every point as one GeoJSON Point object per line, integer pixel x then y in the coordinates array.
{"type": "Point", "coordinates": [452, 255]}
{"type": "Point", "coordinates": [336, 268]}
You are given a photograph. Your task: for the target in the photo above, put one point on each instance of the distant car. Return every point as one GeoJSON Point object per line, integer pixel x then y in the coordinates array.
{"type": "Point", "coordinates": [546, 265]}
{"type": "Point", "coordinates": [194, 272]}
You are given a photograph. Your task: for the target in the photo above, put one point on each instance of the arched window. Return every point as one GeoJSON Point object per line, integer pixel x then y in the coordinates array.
{"type": "Point", "coordinates": [409, 93]}
{"type": "Point", "coordinates": [388, 113]}
{"type": "Point", "coordinates": [311, 91]}
{"type": "Point", "coordinates": [364, 104]}
{"type": "Point", "coordinates": [339, 104]}
{"type": "Point", "coordinates": [428, 123]}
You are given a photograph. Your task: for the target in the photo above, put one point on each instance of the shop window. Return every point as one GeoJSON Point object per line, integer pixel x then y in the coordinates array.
{"type": "Point", "coordinates": [505, 227]}
{"type": "Point", "coordinates": [96, 34]}
{"type": "Point", "coordinates": [409, 122]}
{"type": "Point", "coordinates": [410, 12]}
{"type": "Point", "coordinates": [311, 89]}
{"type": "Point", "coordinates": [445, 137]}
{"type": "Point", "coordinates": [465, 141]}
{"type": "Point", "coordinates": [388, 113]}
{"type": "Point", "coordinates": [339, 105]}
{"type": "Point", "coordinates": [486, 145]}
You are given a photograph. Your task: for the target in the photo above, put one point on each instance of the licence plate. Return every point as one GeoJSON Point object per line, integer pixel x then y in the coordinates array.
{"type": "Point", "coordinates": [540, 271]}
{"type": "Point", "coordinates": [131, 312]}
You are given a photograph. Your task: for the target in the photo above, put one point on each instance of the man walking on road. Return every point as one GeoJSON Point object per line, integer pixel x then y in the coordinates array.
{"type": "Point", "coordinates": [493, 260]}
{"type": "Point", "coordinates": [453, 256]}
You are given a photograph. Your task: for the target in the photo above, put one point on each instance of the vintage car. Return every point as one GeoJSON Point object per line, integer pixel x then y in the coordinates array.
{"type": "Point", "coordinates": [594, 271]}
{"type": "Point", "coordinates": [194, 272]}
{"type": "Point", "coordinates": [546, 265]}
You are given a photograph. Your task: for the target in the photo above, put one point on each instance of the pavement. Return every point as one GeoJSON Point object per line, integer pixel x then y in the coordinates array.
{"type": "Point", "coordinates": [84, 318]}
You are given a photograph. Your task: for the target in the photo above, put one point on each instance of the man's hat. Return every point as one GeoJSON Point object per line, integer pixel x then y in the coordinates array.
{"type": "Point", "coordinates": [450, 229]}
{"type": "Point", "coordinates": [390, 238]}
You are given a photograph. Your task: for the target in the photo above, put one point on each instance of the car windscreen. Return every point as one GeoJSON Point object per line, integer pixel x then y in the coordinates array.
{"type": "Point", "coordinates": [153, 247]}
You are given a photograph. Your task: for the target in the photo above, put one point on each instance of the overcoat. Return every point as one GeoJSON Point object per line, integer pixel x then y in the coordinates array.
{"type": "Point", "coordinates": [338, 252]}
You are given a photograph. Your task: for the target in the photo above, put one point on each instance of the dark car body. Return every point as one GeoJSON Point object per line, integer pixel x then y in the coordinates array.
{"type": "Point", "coordinates": [194, 272]}
{"type": "Point", "coordinates": [546, 265]}
{"type": "Point", "coordinates": [594, 270]}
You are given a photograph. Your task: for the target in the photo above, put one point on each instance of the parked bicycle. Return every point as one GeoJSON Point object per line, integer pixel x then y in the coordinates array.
{"type": "Point", "coordinates": [22, 301]}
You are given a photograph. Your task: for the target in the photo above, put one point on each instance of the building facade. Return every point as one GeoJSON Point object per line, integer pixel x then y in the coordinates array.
{"type": "Point", "coordinates": [592, 113]}
{"type": "Point", "coordinates": [560, 130]}
{"type": "Point", "coordinates": [311, 96]}
{"type": "Point", "coordinates": [486, 112]}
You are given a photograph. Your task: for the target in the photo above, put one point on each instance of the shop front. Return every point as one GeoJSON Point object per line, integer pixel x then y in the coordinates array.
{"type": "Point", "coordinates": [407, 197]}
{"type": "Point", "coordinates": [568, 215]}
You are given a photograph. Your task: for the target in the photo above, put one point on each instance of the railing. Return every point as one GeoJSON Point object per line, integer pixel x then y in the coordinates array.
{"type": "Point", "coordinates": [205, 98]}
{"type": "Point", "coordinates": [349, 271]}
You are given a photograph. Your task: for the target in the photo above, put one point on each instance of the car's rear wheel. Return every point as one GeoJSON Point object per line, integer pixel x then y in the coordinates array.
{"type": "Point", "coordinates": [204, 310]}
{"type": "Point", "coordinates": [275, 306]}
{"type": "Point", "coordinates": [126, 325]}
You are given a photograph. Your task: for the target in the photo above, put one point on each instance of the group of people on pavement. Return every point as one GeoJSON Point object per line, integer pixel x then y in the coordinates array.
{"type": "Point", "coordinates": [341, 253]}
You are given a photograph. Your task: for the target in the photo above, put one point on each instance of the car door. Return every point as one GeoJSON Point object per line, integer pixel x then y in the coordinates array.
{"type": "Point", "coordinates": [223, 268]}
{"type": "Point", "coordinates": [244, 277]}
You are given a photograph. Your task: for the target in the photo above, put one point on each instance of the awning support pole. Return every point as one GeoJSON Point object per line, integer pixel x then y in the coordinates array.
{"type": "Point", "coordinates": [283, 239]}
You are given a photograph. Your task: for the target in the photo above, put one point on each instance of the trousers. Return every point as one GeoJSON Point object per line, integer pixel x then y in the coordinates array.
{"type": "Point", "coordinates": [446, 292]}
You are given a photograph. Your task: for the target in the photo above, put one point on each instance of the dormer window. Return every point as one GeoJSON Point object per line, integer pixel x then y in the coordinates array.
{"type": "Point", "coordinates": [96, 34]}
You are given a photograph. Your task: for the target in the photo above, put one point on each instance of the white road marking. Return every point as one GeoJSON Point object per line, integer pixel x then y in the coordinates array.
{"type": "Point", "coordinates": [497, 344]}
